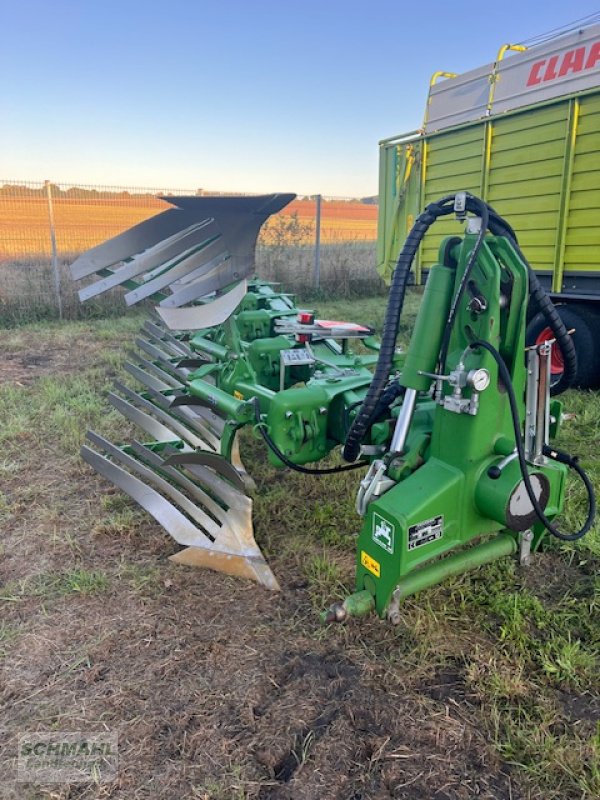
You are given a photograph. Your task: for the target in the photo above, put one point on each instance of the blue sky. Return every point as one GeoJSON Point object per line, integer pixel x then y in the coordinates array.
{"type": "Point", "coordinates": [232, 95]}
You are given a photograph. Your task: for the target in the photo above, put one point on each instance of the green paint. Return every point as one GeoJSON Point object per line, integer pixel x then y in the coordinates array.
{"type": "Point", "coordinates": [496, 547]}
{"type": "Point", "coordinates": [537, 166]}
{"type": "Point", "coordinates": [443, 498]}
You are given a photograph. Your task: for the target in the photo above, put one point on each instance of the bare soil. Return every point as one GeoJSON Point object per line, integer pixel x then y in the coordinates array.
{"type": "Point", "coordinates": [216, 687]}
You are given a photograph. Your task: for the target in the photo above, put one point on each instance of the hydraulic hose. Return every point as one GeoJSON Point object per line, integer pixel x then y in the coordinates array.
{"type": "Point", "coordinates": [391, 324]}
{"type": "Point", "coordinates": [262, 429]}
{"type": "Point", "coordinates": [490, 220]}
{"type": "Point", "coordinates": [388, 396]}
{"type": "Point", "coordinates": [557, 455]}
{"type": "Point", "coordinates": [424, 221]}
{"type": "Point", "coordinates": [499, 227]}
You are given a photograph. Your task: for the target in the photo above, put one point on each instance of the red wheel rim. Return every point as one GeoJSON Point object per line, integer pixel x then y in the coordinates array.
{"type": "Point", "coordinates": [557, 365]}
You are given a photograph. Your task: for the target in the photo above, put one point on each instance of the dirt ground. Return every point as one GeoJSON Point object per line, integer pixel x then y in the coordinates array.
{"type": "Point", "coordinates": [219, 689]}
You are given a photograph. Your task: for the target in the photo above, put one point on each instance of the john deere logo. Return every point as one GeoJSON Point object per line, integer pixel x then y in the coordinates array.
{"type": "Point", "coordinates": [383, 533]}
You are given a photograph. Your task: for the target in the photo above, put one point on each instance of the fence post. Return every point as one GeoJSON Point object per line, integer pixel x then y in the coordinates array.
{"type": "Point", "coordinates": [318, 243]}
{"type": "Point", "coordinates": [48, 186]}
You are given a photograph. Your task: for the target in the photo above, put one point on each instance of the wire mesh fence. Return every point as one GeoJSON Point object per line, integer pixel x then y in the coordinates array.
{"type": "Point", "coordinates": [45, 225]}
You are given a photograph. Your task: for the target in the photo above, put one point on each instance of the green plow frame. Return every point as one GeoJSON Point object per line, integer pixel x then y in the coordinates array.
{"type": "Point", "coordinates": [216, 352]}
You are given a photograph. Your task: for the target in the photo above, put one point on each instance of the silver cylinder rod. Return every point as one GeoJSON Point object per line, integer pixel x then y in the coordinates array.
{"type": "Point", "coordinates": [537, 402]}
{"type": "Point", "coordinates": [403, 422]}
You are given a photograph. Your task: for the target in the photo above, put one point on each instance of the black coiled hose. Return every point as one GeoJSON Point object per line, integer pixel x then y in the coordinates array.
{"type": "Point", "coordinates": [389, 334]}
{"type": "Point", "coordinates": [498, 226]}
{"type": "Point", "coordinates": [541, 301]}
{"type": "Point", "coordinates": [554, 453]}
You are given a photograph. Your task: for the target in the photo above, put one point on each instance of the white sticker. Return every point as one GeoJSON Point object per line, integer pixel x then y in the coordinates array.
{"type": "Point", "coordinates": [424, 532]}
{"type": "Point", "coordinates": [383, 533]}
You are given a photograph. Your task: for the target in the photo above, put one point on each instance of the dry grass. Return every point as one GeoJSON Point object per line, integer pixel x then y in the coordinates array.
{"type": "Point", "coordinates": [27, 288]}
{"type": "Point", "coordinates": [220, 690]}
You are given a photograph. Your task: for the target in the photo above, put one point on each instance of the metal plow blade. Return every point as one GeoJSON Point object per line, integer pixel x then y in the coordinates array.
{"type": "Point", "coordinates": [197, 497]}
{"type": "Point", "coordinates": [182, 255]}
{"type": "Point", "coordinates": [186, 256]}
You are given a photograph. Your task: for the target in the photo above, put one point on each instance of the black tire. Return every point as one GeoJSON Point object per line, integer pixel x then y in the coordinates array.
{"type": "Point", "coordinates": [586, 322]}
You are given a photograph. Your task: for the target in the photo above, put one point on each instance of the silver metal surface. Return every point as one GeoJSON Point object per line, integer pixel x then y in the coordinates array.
{"type": "Point", "coordinates": [202, 509]}
{"type": "Point", "coordinates": [147, 380]}
{"type": "Point", "coordinates": [198, 247]}
{"type": "Point", "coordinates": [507, 460]}
{"type": "Point", "coordinates": [188, 416]}
{"type": "Point", "coordinates": [373, 485]}
{"type": "Point", "coordinates": [153, 370]}
{"type": "Point", "coordinates": [393, 612]}
{"type": "Point", "coordinates": [296, 357]}
{"type": "Point", "coordinates": [537, 402]}
{"type": "Point", "coordinates": [403, 422]}
{"type": "Point", "coordinates": [216, 462]}
{"type": "Point", "coordinates": [317, 271]}
{"type": "Point", "coordinates": [542, 437]}
{"type": "Point", "coordinates": [478, 379]}
{"type": "Point", "coordinates": [533, 76]}
{"type": "Point", "coordinates": [177, 429]}
{"type": "Point", "coordinates": [207, 523]}
{"type": "Point", "coordinates": [187, 254]}
{"type": "Point", "coordinates": [55, 270]}
{"type": "Point", "coordinates": [168, 362]}
{"type": "Point", "coordinates": [141, 263]}
{"type": "Point", "coordinates": [204, 316]}
{"type": "Point", "coordinates": [525, 540]}
{"type": "Point", "coordinates": [319, 329]}
{"type": "Point", "coordinates": [166, 339]}
{"type": "Point", "coordinates": [188, 262]}
{"type": "Point", "coordinates": [172, 520]}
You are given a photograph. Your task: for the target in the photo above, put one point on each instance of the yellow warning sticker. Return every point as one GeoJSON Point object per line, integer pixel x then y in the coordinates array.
{"type": "Point", "coordinates": [370, 564]}
{"type": "Point", "coordinates": [238, 395]}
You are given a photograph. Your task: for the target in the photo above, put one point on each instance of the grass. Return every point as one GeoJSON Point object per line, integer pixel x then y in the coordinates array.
{"type": "Point", "coordinates": [514, 652]}
{"type": "Point", "coordinates": [28, 293]}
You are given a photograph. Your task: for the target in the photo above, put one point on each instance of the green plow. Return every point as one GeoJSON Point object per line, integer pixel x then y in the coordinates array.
{"type": "Point", "coordinates": [216, 352]}
{"type": "Point", "coordinates": [454, 435]}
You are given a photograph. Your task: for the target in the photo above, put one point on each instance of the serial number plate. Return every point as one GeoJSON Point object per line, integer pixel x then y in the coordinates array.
{"type": "Point", "coordinates": [424, 532]}
{"type": "Point", "coordinates": [296, 357]}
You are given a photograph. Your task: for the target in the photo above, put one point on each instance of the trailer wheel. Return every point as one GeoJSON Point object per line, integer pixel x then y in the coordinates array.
{"type": "Point", "coordinates": [586, 324]}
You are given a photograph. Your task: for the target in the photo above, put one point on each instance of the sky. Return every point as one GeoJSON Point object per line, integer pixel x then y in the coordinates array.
{"type": "Point", "coordinates": [263, 95]}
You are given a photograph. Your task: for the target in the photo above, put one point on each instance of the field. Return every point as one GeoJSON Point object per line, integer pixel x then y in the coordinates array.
{"type": "Point", "coordinates": [220, 690]}
{"type": "Point", "coordinates": [28, 294]}
{"type": "Point", "coordinates": [83, 221]}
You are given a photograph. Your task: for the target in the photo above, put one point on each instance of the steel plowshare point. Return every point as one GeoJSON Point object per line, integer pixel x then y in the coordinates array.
{"type": "Point", "coordinates": [453, 437]}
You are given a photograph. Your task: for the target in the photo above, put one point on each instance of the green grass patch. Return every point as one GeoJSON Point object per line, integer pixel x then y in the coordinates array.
{"type": "Point", "coordinates": [59, 584]}
{"type": "Point", "coordinates": [523, 643]}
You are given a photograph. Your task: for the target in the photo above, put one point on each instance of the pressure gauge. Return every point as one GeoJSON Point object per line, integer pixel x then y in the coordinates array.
{"type": "Point", "coordinates": [478, 379]}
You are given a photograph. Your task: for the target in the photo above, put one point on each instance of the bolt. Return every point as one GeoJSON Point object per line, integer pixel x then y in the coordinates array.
{"type": "Point", "coordinates": [335, 613]}
{"type": "Point", "coordinates": [322, 411]}
{"type": "Point", "coordinates": [395, 617]}
{"type": "Point", "coordinates": [289, 414]}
